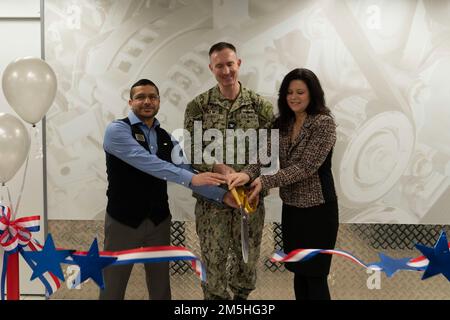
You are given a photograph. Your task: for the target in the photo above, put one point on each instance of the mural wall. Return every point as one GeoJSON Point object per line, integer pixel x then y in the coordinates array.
{"type": "Point", "coordinates": [384, 65]}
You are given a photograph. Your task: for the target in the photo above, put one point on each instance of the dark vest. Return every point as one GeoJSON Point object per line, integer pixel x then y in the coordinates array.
{"type": "Point", "coordinates": [134, 195]}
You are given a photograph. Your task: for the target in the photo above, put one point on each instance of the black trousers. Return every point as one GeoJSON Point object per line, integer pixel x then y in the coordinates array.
{"type": "Point", "coordinates": [310, 228]}
{"type": "Point", "coordinates": [311, 288]}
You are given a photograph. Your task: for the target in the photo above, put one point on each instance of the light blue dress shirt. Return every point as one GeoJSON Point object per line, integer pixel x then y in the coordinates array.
{"type": "Point", "coordinates": [120, 143]}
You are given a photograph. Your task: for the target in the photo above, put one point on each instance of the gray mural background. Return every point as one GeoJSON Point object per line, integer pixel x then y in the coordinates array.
{"type": "Point", "coordinates": [384, 66]}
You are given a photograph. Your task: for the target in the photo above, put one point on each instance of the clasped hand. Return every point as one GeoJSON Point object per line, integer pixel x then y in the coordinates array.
{"type": "Point", "coordinates": [225, 174]}
{"type": "Point", "coordinates": [237, 179]}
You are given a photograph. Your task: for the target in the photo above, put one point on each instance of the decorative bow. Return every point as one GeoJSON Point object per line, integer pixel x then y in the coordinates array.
{"type": "Point", "coordinates": [16, 237]}
{"type": "Point", "coordinates": [16, 234]}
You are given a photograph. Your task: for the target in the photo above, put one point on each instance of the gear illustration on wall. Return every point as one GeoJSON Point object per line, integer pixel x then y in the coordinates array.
{"type": "Point", "coordinates": [387, 101]}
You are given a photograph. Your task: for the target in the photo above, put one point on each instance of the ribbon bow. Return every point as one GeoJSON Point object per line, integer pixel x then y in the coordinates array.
{"type": "Point", "coordinates": [16, 237]}
{"type": "Point", "coordinates": [15, 234]}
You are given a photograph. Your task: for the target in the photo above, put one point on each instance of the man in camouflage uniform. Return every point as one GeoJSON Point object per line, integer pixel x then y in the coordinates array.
{"type": "Point", "coordinates": [226, 106]}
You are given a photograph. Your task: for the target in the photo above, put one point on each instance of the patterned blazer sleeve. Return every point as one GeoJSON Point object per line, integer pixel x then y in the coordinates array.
{"type": "Point", "coordinates": [252, 170]}
{"type": "Point", "coordinates": [321, 141]}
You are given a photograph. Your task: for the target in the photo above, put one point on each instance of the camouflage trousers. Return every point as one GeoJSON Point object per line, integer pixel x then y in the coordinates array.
{"type": "Point", "coordinates": [219, 232]}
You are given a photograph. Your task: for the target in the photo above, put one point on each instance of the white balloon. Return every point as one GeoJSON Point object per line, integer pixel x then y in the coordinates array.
{"type": "Point", "coordinates": [14, 145]}
{"type": "Point", "coordinates": [29, 85]}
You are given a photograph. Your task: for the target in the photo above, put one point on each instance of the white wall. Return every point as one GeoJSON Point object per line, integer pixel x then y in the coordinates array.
{"type": "Point", "coordinates": [20, 9]}
{"type": "Point", "coordinates": [384, 66]}
{"type": "Point", "coordinates": [20, 34]}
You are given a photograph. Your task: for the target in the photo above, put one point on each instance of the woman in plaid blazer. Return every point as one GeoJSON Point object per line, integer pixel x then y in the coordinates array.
{"type": "Point", "coordinates": [310, 210]}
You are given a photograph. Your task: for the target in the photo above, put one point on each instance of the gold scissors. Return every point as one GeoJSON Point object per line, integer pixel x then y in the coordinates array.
{"type": "Point", "coordinates": [245, 209]}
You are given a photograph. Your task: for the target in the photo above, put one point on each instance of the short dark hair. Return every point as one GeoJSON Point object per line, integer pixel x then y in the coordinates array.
{"type": "Point", "coordinates": [316, 96]}
{"type": "Point", "coordinates": [219, 46]}
{"type": "Point", "coordinates": [143, 82]}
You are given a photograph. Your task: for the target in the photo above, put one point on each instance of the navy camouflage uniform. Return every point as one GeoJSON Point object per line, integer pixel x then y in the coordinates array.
{"type": "Point", "coordinates": [219, 227]}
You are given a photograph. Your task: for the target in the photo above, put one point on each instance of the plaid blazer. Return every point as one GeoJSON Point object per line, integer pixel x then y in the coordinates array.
{"type": "Point", "coordinates": [305, 178]}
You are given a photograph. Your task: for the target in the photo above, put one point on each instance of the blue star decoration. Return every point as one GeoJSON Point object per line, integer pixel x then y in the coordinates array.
{"type": "Point", "coordinates": [390, 265]}
{"type": "Point", "coordinates": [438, 257]}
{"type": "Point", "coordinates": [48, 259]}
{"type": "Point", "coordinates": [92, 263]}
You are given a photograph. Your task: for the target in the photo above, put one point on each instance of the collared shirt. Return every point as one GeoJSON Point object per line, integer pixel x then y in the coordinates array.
{"type": "Point", "coordinates": [120, 143]}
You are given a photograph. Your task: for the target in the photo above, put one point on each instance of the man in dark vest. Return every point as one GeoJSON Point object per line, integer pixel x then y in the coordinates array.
{"type": "Point", "coordinates": [139, 164]}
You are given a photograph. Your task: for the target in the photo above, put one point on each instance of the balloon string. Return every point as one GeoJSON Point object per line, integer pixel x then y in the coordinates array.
{"type": "Point", "coordinates": [38, 152]}
{"type": "Point", "coordinates": [11, 203]}
{"type": "Point", "coordinates": [22, 187]}
{"type": "Point", "coordinates": [4, 186]}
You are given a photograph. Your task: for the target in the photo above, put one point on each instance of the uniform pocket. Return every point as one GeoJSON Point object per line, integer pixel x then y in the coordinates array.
{"type": "Point", "coordinates": [214, 120]}
{"type": "Point", "coordinates": [248, 120]}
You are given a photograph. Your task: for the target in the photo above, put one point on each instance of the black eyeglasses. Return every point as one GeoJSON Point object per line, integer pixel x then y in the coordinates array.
{"type": "Point", "coordinates": [143, 97]}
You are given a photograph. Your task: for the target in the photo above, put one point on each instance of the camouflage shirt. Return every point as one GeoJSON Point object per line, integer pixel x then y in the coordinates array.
{"type": "Point", "coordinates": [248, 111]}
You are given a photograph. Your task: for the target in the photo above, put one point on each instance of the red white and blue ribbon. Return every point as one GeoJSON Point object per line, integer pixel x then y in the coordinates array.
{"type": "Point", "coordinates": [306, 254]}
{"type": "Point", "coordinates": [418, 264]}
{"type": "Point", "coordinates": [151, 255]}
{"type": "Point", "coordinates": [16, 236]}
